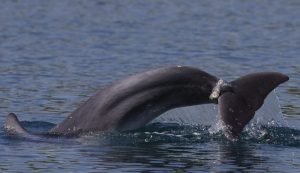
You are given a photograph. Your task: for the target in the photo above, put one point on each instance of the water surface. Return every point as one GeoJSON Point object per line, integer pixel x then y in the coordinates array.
{"type": "Point", "coordinates": [55, 54]}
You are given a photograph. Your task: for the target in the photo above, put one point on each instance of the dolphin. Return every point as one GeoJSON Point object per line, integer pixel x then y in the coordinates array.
{"type": "Point", "coordinates": [134, 101]}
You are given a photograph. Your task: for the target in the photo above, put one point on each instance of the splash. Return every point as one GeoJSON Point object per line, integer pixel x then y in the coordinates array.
{"type": "Point", "coordinates": [207, 115]}
{"type": "Point", "coordinates": [261, 127]}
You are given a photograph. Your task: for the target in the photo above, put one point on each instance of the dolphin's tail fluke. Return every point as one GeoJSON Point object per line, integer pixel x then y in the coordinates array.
{"type": "Point", "coordinates": [12, 126]}
{"type": "Point", "coordinates": [247, 95]}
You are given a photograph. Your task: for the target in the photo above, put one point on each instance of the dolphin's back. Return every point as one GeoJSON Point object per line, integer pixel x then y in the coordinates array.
{"type": "Point", "coordinates": [138, 99]}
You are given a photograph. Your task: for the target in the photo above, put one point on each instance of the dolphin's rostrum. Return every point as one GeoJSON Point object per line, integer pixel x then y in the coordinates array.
{"type": "Point", "coordinates": [138, 99]}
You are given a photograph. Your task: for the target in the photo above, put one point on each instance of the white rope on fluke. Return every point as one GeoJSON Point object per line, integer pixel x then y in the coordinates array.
{"type": "Point", "coordinates": [216, 91]}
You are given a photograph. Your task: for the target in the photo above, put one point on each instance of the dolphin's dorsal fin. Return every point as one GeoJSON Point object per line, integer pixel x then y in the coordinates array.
{"type": "Point", "coordinates": [237, 107]}
{"type": "Point", "coordinates": [12, 126]}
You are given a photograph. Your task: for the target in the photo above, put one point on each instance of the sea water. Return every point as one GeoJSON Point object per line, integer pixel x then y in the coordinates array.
{"type": "Point", "coordinates": [55, 54]}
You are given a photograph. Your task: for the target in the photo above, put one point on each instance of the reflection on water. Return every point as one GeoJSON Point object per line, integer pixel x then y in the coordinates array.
{"type": "Point", "coordinates": [214, 157]}
{"type": "Point", "coordinates": [240, 157]}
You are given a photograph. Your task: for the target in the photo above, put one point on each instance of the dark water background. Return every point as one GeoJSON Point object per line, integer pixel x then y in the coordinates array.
{"type": "Point", "coordinates": [55, 54]}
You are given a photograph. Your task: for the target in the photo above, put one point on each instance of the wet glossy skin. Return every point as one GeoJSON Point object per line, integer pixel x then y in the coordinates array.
{"type": "Point", "coordinates": [136, 100]}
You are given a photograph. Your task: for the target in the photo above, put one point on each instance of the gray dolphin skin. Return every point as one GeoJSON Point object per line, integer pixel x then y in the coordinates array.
{"type": "Point", "coordinates": [133, 102]}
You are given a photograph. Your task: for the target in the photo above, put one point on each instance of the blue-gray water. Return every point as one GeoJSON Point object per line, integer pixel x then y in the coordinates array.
{"type": "Point", "coordinates": [55, 54]}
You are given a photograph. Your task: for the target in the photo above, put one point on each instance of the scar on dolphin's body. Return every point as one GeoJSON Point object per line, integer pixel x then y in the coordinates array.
{"type": "Point", "coordinates": [133, 102]}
